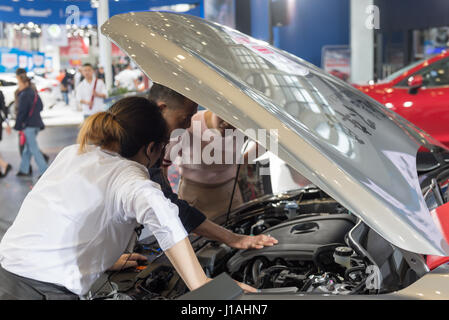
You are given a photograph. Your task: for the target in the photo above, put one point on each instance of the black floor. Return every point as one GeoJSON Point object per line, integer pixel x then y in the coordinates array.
{"type": "Point", "coordinates": [14, 189]}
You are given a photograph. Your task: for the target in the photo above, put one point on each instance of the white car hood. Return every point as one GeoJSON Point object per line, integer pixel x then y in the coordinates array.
{"type": "Point", "coordinates": [353, 148]}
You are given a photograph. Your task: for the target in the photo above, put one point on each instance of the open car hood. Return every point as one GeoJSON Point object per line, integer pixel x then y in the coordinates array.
{"type": "Point", "coordinates": [346, 143]}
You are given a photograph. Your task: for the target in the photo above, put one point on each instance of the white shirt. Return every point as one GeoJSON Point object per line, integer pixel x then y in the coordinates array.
{"type": "Point", "coordinates": [126, 78]}
{"type": "Point", "coordinates": [84, 92]}
{"type": "Point", "coordinates": [80, 216]}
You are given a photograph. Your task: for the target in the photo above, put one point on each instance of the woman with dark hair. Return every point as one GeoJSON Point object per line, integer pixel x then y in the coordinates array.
{"type": "Point", "coordinates": [29, 122]}
{"type": "Point", "coordinates": [78, 219]}
{"type": "Point", "coordinates": [22, 74]}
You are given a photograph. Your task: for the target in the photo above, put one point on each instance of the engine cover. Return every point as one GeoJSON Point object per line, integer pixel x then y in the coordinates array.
{"type": "Point", "coordinates": [299, 238]}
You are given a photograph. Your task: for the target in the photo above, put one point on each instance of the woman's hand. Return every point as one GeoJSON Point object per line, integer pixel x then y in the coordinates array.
{"type": "Point", "coordinates": [127, 261]}
{"type": "Point", "coordinates": [246, 288]}
{"type": "Point", "coordinates": [243, 242]}
{"type": "Point", "coordinates": [212, 231]}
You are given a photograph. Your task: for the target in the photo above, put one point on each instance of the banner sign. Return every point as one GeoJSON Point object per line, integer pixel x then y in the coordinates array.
{"type": "Point", "coordinates": [48, 64]}
{"type": "Point", "coordinates": [9, 59]}
{"type": "Point", "coordinates": [336, 60]}
{"type": "Point", "coordinates": [81, 13]}
{"type": "Point", "coordinates": [12, 58]}
{"type": "Point", "coordinates": [48, 12]}
{"type": "Point", "coordinates": [26, 60]}
{"type": "Point", "coordinates": [76, 48]}
{"type": "Point", "coordinates": [54, 35]}
{"type": "Point", "coordinates": [38, 59]}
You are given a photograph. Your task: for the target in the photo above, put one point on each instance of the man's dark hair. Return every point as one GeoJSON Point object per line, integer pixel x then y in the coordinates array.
{"type": "Point", "coordinates": [20, 71]}
{"type": "Point", "coordinates": [159, 92]}
{"type": "Point", "coordinates": [87, 64]}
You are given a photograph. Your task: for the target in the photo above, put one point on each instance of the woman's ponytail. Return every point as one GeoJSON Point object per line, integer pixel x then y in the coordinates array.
{"type": "Point", "coordinates": [101, 129]}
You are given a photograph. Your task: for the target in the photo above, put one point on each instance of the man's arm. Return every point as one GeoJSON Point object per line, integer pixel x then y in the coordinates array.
{"type": "Point", "coordinates": [80, 95]}
{"type": "Point", "coordinates": [195, 221]}
{"type": "Point", "coordinates": [190, 217]}
{"type": "Point", "coordinates": [100, 95]}
{"type": "Point", "coordinates": [215, 232]}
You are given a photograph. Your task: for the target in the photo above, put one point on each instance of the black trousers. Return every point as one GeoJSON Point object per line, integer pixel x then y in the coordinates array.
{"type": "Point", "coordinates": [14, 287]}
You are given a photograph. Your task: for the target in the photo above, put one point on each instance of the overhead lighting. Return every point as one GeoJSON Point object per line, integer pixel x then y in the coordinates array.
{"type": "Point", "coordinates": [181, 7]}
{"type": "Point", "coordinates": [94, 4]}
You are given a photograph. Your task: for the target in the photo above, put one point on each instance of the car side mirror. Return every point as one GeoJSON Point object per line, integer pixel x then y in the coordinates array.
{"type": "Point", "coordinates": [414, 83]}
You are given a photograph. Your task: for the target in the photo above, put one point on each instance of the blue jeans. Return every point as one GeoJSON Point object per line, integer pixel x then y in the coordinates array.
{"type": "Point", "coordinates": [65, 96]}
{"type": "Point", "coordinates": [32, 149]}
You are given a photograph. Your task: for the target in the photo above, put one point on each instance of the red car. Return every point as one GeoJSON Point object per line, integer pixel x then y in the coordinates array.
{"type": "Point", "coordinates": [419, 93]}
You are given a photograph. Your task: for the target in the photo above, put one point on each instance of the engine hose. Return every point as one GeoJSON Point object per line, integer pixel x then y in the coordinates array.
{"type": "Point", "coordinates": [358, 287]}
{"type": "Point", "coordinates": [306, 285]}
{"type": "Point", "coordinates": [351, 270]}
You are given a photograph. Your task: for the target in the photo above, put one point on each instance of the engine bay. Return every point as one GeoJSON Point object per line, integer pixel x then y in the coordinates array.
{"type": "Point", "coordinates": [322, 249]}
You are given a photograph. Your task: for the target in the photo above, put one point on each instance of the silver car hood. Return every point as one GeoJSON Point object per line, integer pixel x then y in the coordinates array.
{"type": "Point", "coordinates": [346, 143]}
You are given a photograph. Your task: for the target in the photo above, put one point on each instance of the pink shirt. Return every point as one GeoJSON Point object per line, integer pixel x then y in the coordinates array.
{"type": "Point", "coordinates": [212, 161]}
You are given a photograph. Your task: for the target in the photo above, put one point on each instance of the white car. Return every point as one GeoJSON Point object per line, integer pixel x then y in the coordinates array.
{"type": "Point", "coordinates": [48, 90]}
{"type": "Point", "coordinates": [376, 226]}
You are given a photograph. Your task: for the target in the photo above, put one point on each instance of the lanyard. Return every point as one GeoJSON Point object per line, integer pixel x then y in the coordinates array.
{"type": "Point", "coordinates": [93, 95]}
{"type": "Point", "coordinates": [34, 105]}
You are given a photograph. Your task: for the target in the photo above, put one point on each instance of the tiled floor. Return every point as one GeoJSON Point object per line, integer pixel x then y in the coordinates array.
{"type": "Point", "coordinates": [14, 189]}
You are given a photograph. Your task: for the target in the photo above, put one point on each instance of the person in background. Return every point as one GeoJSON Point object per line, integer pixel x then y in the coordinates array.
{"type": "Point", "coordinates": [210, 186]}
{"type": "Point", "coordinates": [100, 73]}
{"type": "Point", "coordinates": [65, 82]}
{"type": "Point", "coordinates": [177, 111]}
{"type": "Point", "coordinates": [78, 77]}
{"type": "Point", "coordinates": [19, 73]}
{"type": "Point", "coordinates": [91, 92]}
{"type": "Point", "coordinates": [78, 219]}
{"type": "Point", "coordinates": [128, 78]}
{"type": "Point", "coordinates": [115, 70]}
{"type": "Point", "coordinates": [4, 166]}
{"type": "Point", "coordinates": [29, 122]}
{"type": "Point", "coordinates": [61, 75]}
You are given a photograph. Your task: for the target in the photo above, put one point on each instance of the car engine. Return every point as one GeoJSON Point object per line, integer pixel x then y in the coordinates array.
{"type": "Point", "coordinates": [321, 250]}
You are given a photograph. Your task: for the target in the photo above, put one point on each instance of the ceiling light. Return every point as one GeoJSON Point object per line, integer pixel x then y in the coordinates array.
{"type": "Point", "coordinates": [181, 7]}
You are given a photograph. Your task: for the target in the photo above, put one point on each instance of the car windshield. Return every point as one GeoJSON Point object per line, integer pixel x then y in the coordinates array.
{"type": "Point", "coordinates": [396, 74]}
